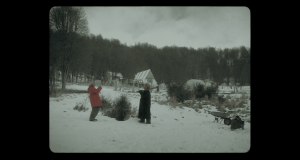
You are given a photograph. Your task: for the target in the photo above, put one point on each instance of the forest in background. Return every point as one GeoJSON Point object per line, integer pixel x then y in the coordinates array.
{"type": "Point", "coordinates": [74, 51]}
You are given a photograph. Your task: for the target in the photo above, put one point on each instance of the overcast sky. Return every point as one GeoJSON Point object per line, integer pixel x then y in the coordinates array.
{"type": "Point", "coordinates": [196, 27]}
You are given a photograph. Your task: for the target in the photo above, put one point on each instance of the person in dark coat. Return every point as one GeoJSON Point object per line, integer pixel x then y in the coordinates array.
{"type": "Point", "coordinates": [95, 100]}
{"type": "Point", "coordinates": [145, 104]}
{"type": "Point", "coordinates": [236, 123]}
{"type": "Point", "coordinates": [221, 99]}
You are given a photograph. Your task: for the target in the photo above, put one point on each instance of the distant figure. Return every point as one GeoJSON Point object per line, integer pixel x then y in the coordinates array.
{"type": "Point", "coordinates": [221, 99]}
{"type": "Point", "coordinates": [236, 123]}
{"type": "Point", "coordinates": [95, 100]}
{"type": "Point", "coordinates": [145, 104]}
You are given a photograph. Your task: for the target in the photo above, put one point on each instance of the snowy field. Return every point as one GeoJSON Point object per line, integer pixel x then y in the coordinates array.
{"type": "Point", "coordinates": [172, 130]}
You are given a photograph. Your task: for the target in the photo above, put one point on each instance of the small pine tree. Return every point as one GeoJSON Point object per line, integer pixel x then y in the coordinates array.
{"type": "Point", "coordinates": [122, 108]}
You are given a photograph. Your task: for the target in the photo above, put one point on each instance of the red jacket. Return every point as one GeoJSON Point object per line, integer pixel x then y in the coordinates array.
{"type": "Point", "coordinates": [94, 96]}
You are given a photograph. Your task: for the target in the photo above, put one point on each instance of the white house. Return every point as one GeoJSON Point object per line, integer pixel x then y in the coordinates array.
{"type": "Point", "coordinates": [146, 77]}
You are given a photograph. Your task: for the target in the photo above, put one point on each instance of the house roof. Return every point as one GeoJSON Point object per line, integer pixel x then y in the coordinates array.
{"type": "Point", "coordinates": [144, 74]}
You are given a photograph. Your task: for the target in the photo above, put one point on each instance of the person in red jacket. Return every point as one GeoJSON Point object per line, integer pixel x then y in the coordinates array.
{"type": "Point", "coordinates": [95, 100]}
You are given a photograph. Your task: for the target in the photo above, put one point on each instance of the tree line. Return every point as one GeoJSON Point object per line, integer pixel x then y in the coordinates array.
{"type": "Point", "coordinates": [73, 51]}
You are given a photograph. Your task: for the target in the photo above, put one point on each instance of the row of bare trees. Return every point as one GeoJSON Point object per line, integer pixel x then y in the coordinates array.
{"type": "Point", "coordinates": [73, 50]}
{"type": "Point", "coordinates": [67, 36]}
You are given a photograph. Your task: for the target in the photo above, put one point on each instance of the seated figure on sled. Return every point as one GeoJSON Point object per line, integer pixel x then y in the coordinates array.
{"type": "Point", "coordinates": [236, 123]}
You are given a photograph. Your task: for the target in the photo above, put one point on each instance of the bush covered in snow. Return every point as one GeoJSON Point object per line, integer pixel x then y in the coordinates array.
{"type": "Point", "coordinates": [80, 107]}
{"type": "Point", "coordinates": [120, 108]}
{"type": "Point", "coordinates": [179, 91]}
{"type": "Point", "coordinates": [211, 91]}
{"type": "Point", "coordinates": [199, 91]}
{"type": "Point", "coordinates": [107, 105]}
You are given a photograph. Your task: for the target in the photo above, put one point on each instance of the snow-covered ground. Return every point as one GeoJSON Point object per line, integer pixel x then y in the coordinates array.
{"type": "Point", "coordinates": [171, 129]}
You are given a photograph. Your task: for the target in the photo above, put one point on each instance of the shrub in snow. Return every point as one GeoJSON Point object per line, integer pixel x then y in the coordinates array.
{"type": "Point", "coordinates": [76, 106]}
{"type": "Point", "coordinates": [200, 105]}
{"type": "Point", "coordinates": [211, 90]}
{"type": "Point", "coordinates": [199, 91]}
{"type": "Point", "coordinates": [80, 107]}
{"type": "Point", "coordinates": [107, 105]}
{"type": "Point", "coordinates": [179, 92]}
{"type": "Point", "coordinates": [122, 108]}
{"type": "Point", "coordinates": [181, 106]}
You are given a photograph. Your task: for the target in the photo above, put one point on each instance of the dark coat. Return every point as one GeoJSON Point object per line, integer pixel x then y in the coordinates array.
{"type": "Point", "coordinates": [236, 123]}
{"type": "Point", "coordinates": [145, 104]}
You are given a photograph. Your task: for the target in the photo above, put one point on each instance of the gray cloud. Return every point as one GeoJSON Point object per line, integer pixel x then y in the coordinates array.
{"type": "Point", "coordinates": [182, 26]}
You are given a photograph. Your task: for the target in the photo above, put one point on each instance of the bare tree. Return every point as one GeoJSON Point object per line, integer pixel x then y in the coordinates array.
{"type": "Point", "coordinates": [69, 23]}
